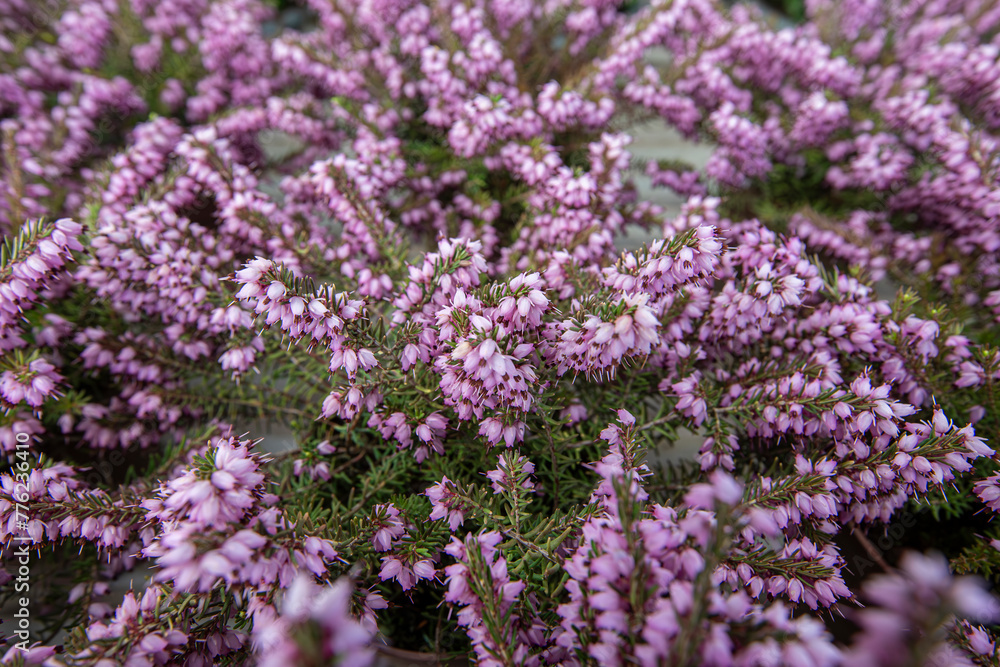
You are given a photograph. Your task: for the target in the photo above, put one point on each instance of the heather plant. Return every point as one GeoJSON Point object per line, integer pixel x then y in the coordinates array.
{"type": "Point", "coordinates": [429, 285]}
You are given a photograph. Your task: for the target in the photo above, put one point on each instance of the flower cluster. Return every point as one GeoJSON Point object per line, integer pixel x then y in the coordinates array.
{"type": "Point", "coordinates": [920, 603]}
{"type": "Point", "coordinates": [415, 237]}
{"type": "Point", "coordinates": [217, 523]}
{"type": "Point", "coordinates": [281, 638]}
{"type": "Point", "coordinates": [33, 263]}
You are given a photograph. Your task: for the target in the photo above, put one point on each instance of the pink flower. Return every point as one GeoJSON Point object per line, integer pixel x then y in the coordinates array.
{"type": "Point", "coordinates": [406, 574]}
{"type": "Point", "coordinates": [389, 527]}
{"type": "Point", "coordinates": [278, 638]}
{"type": "Point", "coordinates": [445, 503]}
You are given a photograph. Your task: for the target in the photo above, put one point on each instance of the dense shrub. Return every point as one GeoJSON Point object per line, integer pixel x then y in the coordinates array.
{"type": "Point", "coordinates": [396, 228]}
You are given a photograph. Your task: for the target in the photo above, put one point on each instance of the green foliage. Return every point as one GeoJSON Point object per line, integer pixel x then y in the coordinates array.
{"type": "Point", "coordinates": [980, 558]}
{"type": "Point", "coordinates": [786, 190]}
